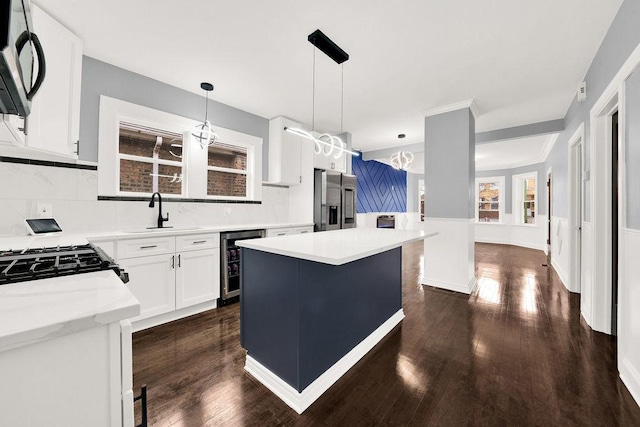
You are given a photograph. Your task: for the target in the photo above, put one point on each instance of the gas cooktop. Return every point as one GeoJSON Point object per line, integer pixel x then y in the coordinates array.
{"type": "Point", "coordinates": [46, 262]}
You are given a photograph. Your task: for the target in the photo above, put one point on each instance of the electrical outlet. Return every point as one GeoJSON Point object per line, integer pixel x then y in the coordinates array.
{"type": "Point", "coordinates": [44, 210]}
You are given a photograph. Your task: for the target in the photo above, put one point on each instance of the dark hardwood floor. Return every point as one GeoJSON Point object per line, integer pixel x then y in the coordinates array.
{"type": "Point", "coordinates": [515, 352]}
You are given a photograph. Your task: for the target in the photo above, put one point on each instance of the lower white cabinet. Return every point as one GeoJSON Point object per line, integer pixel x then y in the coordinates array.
{"type": "Point", "coordinates": [286, 231]}
{"type": "Point", "coordinates": [165, 280]}
{"type": "Point", "coordinates": [152, 281]}
{"type": "Point", "coordinates": [76, 380]}
{"type": "Point", "coordinates": [197, 277]}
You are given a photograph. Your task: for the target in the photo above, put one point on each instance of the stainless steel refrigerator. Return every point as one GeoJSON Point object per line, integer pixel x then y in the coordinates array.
{"type": "Point", "coordinates": [334, 202]}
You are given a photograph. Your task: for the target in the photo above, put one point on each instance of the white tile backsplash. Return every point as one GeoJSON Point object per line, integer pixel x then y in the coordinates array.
{"type": "Point", "coordinates": [73, 195]}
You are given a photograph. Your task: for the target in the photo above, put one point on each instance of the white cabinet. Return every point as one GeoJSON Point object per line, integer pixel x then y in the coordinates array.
{"type": "Point", "coordinates": [322, 161]}
{"type": "Point", "coordinates": [54, 122]}
{"type": "Point", "coordinates": [197, 277]}
{"type": "Point", "coordinates": [284, 152]}
{"type": "Point", "coordinates": [79, 379]}
{"type": "Point", "coordinates": [152, 282]}
{"type": "Point", "coordinates": [167, 274]}
{"type": "Point", "coordinates": [287, 231]}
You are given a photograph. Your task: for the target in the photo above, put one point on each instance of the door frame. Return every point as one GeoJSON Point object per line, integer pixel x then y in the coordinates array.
{"type": "Point", "coordinates": [597, 312]}
{"type": "Point", "coordinates": [549, 226]}
{"type": "Point", "coordinates": [576, 208]}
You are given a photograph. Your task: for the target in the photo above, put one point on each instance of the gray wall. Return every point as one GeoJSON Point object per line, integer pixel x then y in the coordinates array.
{"type": "Point", "coordinates": [412, 191]}
{"type": "Point", "coordinates": [621, 39]}
{"type": "Point", "coordinates": [100, 78]}
{"type": "Point", "coordinates": [449, 164]}
{"type": "Point", "coordinates": [633, 150]}
{"type": "Point", "coordinates": [508, 185]}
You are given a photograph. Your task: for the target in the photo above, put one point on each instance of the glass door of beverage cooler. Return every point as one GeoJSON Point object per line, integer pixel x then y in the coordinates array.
{"type": "Point", "coordinates": [231, 258]}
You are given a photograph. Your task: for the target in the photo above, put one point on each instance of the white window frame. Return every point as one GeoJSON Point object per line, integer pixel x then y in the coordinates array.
{"type": "Point", "coordinates": [501, 199]}
{"type": "Point", "coordinates": [194, 165]}
{"type": "Point", "coordinates": [150, 160]}
{"type": "Point", "coordinates": [517, 198]}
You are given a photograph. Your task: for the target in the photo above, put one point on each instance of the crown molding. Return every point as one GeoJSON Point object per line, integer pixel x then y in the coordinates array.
{"type": "Point", "coordinates": [468, 103]}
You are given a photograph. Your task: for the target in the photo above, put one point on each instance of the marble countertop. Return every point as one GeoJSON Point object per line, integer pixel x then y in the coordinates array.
{"type": "Point", "coordinates": [337, 247]}
{"type": "Point", "coordinates": [43, 309]}
{"type": "Point", "coordinates": [184, 230]}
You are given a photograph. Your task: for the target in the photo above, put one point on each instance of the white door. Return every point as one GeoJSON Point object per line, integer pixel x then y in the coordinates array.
{"type": "Point", "coordinates": [152, 282]}
{"type": "Point", "coordinates": [197, 277]}
{"type": "Point", "coordinates": [54, 122]}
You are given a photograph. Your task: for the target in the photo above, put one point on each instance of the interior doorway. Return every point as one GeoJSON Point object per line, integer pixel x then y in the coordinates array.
{"type": "Point", "coordinates": [614, 222]}
{"type": "Point", "coordinates": [549, 207]}
{"type": "Point", "coordinates": [576, 208]}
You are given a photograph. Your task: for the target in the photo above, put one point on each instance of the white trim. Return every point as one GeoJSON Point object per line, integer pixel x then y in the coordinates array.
{"type": "Point", "coordinates": [516, 199]}
{"type": "Point", "coordinates": [427, 218]}
{"type": "Point", "coordinates": [561, 273]}
{"type": "Point", "coordinates": [501, 197]}
{"type": "Point", "coordinates": [452, 286]}
{"type": "Point", "coordinates": [299, 401]}
{"type": "Point", "coordinates": [173, 315]}
{"type": "Point", "coordinates": [527, 245]}
{"type": "Point", "coordinates": [467, 103]}
{"type": "Point", "coordinates": [575, 236]}
{"type": "Point", "coordinates": [631, 378]}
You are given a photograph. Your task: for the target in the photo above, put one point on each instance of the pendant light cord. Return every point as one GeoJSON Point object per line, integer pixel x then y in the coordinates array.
{"type": "Point", "coordinates": [206, 107]}
{"type": "Point", "coordinates": [313, 92]}
{"type": "Point", "coordinates": [342, 98]}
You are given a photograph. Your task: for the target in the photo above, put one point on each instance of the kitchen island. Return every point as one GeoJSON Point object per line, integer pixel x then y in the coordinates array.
{"type": "Point", "coordinates": [312, 305]}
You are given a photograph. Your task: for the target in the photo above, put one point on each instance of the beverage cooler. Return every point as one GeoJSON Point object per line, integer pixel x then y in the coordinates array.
{"type": "Point", "coordinates": [230, 263]}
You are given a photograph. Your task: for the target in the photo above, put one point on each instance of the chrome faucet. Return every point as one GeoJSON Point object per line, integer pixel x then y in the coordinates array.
{"type": "Point", "coordinates": [152, 204]}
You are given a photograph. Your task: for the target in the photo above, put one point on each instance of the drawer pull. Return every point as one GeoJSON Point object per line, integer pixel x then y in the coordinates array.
{"type": "Point", "coordinates": [148, 247]}
{"type": "Point", "coordinates": [197, 242]}
{"type": "Point", "coordinates": [305, 231]}
{"type": "Point", "coordinates": [282, 234]}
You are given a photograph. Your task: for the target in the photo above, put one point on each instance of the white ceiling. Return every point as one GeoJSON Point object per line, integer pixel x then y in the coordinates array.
{"type": "Point", "coordinates": [521, 61]}
{"type": "Point", "coordinates": [506, 154]}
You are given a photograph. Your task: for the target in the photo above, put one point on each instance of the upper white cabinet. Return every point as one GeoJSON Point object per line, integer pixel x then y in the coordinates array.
{"type": "Point", "coordinates": [284, 153]}
{"type": "Point", "coordinates": [54, 122]}
{"type": "Point", "coordinates": [322, 161]}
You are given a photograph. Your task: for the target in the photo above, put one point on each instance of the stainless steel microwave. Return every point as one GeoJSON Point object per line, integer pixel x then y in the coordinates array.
{"type": "Point", "coordinates": [21, 56]}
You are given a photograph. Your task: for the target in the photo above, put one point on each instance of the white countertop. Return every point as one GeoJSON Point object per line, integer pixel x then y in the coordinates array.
{"type": "Point", "coordinates": [38, 310]}
{"type": "Point", "coordinates": [337, 247]}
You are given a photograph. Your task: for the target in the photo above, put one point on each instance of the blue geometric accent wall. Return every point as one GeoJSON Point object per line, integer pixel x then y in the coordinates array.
{"type": "Point", "coordinates": [381, 188]}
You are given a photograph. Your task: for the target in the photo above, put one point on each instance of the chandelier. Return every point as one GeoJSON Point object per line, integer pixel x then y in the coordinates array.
{"type": "Point", "coordinates": [203, 132]}
{"type": "Point", "coordinates": [325, 143]}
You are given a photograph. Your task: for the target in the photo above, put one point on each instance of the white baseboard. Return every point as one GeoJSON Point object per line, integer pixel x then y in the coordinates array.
{"type": "Point", "coordinates": [139, 325]}
{"type": "Point", "coordinates": [299, 401]}
{"type": "Point", "coordinates": [510, 242]}
{"type": "Point", "coordinates": [561, 273]}
{"type": "Point", "coordinates": [631, 379]}
{"type": "Point", "coordinates": [462, 288]}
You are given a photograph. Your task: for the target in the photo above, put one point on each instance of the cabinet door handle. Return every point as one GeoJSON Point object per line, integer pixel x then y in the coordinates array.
{"type": "Point", "coordinates": [197, 242]}
{"type": "Point", "coordinates": [178, 260]}
{"type": "Point", "coordinates": [148, 247]}
{"type": "Point", "coordinates": [173, 261]}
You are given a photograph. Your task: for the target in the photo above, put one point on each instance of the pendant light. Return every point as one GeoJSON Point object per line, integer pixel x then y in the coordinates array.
{"type": "Point", "coordinates": [203, 132]}
{"type": "Point", "coordinates": [401, 160]}
{"type": "Point", "coordinates": [325, 143]}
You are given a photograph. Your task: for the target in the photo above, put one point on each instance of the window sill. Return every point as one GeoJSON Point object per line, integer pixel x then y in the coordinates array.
{"type": "Point", "coordinates": [527, 225]}
{"type": "Point", "coordinates": [489, 223]}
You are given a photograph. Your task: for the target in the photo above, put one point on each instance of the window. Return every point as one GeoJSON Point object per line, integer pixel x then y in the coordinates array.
{"type": "Point", "coordinates": [490, 200]}
{"type": "Point", "coordinates": [226, 170]}
{"type": "Point", "coordinates": [150, 160]}
{"type": "Point", "coordinates": [524, 198]}
{"type": "Point", "coordinates": [141, 150]}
